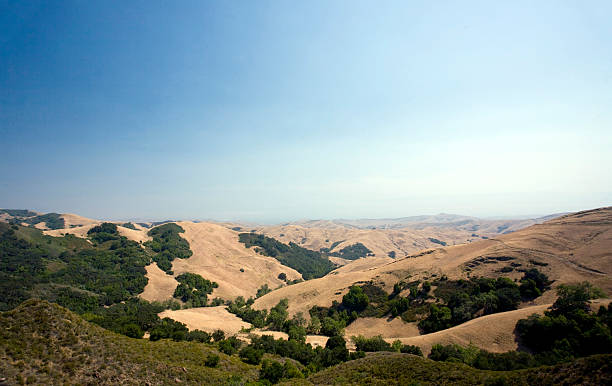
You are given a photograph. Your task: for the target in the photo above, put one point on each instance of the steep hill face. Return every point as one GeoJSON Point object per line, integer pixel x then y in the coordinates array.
{"type": "Point", "coordinates": [43, 343]}
{"type": "Point", "coordinates": [219, 256]}
{"type": "Point", "coordinates": [572, 248]}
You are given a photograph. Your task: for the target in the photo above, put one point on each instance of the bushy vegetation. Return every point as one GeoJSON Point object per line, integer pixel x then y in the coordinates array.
{"type": "Point", "coordinates": [533, 284]}
{"type": "Point", "coordinates": [42, 343]}
{"type": "Point", "coordinates": [274, 371]}
{"type": "Point", "coordinates": [465, 299]}
{"type": "Point", "coordinates": [436, 241]}
{"type": "Point", "coordinates": [261, 291]}
{"type": "Point", "coordinates": [168, 245]}
{"type": "Point", "coordinates": [194, 289]}
{"type": "Point", "coordinates": [482, 359]}
{"type": "Point", "coordinates": [129, 225]}
{"type": "Point", "coordinates": [377, 343]}
{"type": "Point", "coordinates": [51, 220]}
{"type": "Point", "coordinates": [569, 329]}
{"type": "Point", "coordinates": [110, 272]}
{"type": "Point", "coordinates": [103, 232]}
{"type": "Point", "coordinates": [18, 212]}
{"type": "Point", "coordinates": [99, 280]}
{"type": "Point", "coordinates": [310, 264]}
{"type": "Point", "coordinates": [277, 319]}
{"type": "Point", "coordinates": [352, 252]}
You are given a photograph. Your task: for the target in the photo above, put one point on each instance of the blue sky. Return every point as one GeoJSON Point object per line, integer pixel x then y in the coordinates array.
{"type": "Point", "coordinates": [275, 111]}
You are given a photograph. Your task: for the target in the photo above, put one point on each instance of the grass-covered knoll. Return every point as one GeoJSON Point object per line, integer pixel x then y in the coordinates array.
{"type": "Point", "coordinates": [168, 245]}
{"type": "Point", "coordinates": [404, 369]}
{"type": "Point", "coordinates": [311, 264]}
{"type": "Point", "coordinates": [43, 343]}
{"type": "Point", "coordinates": [353, 252]}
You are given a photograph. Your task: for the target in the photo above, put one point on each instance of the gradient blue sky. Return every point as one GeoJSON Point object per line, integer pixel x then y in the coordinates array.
{"type": "Point", "coordinates": [274, 111]}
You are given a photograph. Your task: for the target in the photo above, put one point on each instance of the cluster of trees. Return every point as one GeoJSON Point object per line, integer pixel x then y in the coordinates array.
{"type": "Point", "coordinates": [261, 291]}
{"type": "Point", "coordinates": [365, 300]}
{"type": "Point", "coordinates": [482, 359]}
{"type": "Point", "coordinates": [353, 252]}
{"type": "Point", "coordinates": [51, 220]}
{"type": "Point", "coordinates": [314, 359]}
{"type": "Point", "coordinates": [277, 319]}
{"type": "Point", "coordinates": [377, 343]}
{"type": "Point", "coordinates": [168, 245]}
{"type": "Point", "coordinates": [569, 329]}
{"type": "Point", "coordinates": [103, 232]}
{"type": "Point", "coordinates": [465, 299]}
{"type": "Point", "coordinates": [193, 289]}
{"type": "Point", "coordinates": [100, 281]}
{"type": "Point", "coordinates": [311, 264]}
{"type": "Point", "coordinates": [408, 306]}
{"type": "Point", "coordinates": [110, 272]}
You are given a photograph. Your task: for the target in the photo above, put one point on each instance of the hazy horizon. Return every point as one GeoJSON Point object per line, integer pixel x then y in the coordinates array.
{"type": "Point", "coordinates": [276, 111]}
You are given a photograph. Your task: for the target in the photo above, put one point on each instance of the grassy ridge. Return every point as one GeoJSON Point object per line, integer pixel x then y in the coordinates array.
{"type": "Point", "coordinates": [406, 369]}
{"type": "Point", "coordinates": [43, 343]}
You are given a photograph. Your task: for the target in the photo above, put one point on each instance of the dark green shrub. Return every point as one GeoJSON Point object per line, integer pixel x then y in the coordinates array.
{"type": "Point", "coordinates": [251, 355]}
{"type": "Point", "coordinates": [218, 335]}
{"type": "Point", "coordinates": [410, 349]}
{"type": "Point", "coordinates": [355, 299]}
{"type": "Point", "coordinates": [376, 343]}
{"type": "Point", "coordinates": [212, 360]}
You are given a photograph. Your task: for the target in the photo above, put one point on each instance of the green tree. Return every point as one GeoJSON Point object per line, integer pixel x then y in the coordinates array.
{"type": "Point", "coordinates": [355, 299]}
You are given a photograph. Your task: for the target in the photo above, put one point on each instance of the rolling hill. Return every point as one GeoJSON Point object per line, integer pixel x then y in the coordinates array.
{"type": "Point", "coordinates": [572, 248]}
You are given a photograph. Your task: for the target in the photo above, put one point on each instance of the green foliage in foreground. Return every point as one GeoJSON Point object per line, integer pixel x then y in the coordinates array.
{"type": "Point", "coordinates": [43, 343]}
{"type": "Point", "coordinates": [402, 369]}
{"type": "Point", "coordinates": [168, 245]}
{"type": "Point", "coordinates": [311, 264]}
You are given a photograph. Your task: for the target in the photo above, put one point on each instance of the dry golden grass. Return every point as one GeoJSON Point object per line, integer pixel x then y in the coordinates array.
{"type": "Point", "coordinates": [160, 286]}
{"type": "Point", "coordinates": [219, 256]}
{"type": "Point", "coordinates": [208, 319]}
{"type": "Point", "coordinates": [493, 333]}
{"type": "Point", "coordinates": [380, 241]}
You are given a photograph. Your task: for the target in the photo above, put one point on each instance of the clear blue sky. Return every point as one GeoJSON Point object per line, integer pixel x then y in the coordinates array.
{"type": "Point", "coordinates": [274, 111]}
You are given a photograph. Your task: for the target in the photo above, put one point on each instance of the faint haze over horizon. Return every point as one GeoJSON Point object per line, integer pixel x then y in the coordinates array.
{"type": "Point", "coordinates": [275, 111]}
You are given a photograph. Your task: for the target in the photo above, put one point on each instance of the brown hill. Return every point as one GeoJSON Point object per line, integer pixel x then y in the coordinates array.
{"type": "Point", "coordinates": [571, 248]}
{"type": "Point", "coordinates": [220, 257]}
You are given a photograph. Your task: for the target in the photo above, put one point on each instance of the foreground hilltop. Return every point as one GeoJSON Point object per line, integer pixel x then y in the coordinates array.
{"type": "Point", "coordinates": [43, 343]}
